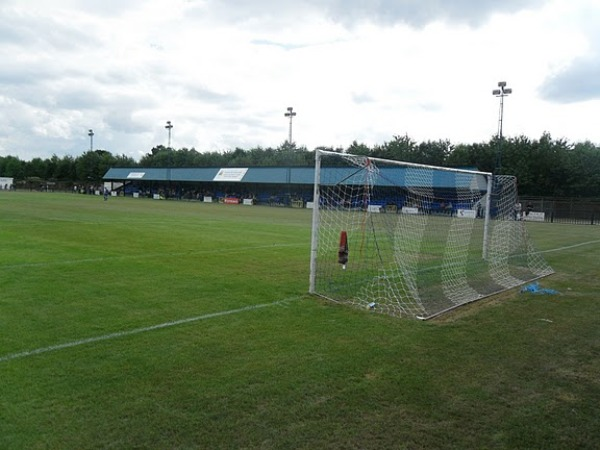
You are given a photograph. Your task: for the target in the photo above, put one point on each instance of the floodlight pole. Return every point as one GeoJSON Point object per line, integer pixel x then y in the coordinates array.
{"type": "Point", "coordinates": [169, 126]}
{"type": "Point", "coordinates": [91, 135]}
{"type": "Point", "coordinates": [502, 92]}
{"type": "Point", "coordinates": [291, 115]}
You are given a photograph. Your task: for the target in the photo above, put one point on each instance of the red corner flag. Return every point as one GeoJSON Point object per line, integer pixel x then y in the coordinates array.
{"type": "Point", "coordinates": [343, 251]}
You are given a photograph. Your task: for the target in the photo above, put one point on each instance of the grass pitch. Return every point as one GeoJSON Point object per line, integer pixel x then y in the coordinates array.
{"type": "Point", "coordinates": [135, 323]}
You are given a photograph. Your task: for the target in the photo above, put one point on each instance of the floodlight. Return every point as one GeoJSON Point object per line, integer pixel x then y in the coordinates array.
{"type": "Point", "coordinates": [502, 92]}
{"type": "Point", "coordinates": [291, 115]}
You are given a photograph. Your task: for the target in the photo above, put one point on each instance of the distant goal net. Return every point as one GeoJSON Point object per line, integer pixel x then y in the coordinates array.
{"type": "Point", "coordinates": [415, 240]}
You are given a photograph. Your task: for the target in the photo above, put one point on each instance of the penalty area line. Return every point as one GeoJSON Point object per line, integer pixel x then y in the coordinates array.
{"type": "Point", "coordinates": [120, 334]}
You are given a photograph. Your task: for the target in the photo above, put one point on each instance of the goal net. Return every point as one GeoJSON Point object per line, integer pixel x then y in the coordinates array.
{"type": "Point", "coordinates": [414, 240]}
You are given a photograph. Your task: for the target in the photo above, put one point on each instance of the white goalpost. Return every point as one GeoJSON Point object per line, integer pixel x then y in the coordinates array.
{"type": "Point", "coordinates": [415, 240]}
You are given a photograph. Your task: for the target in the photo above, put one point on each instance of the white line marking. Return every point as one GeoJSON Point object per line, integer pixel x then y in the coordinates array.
{"type": "Point", "coordinates": [569, 247]}
{"type": "Point", "coordinates": [119, 334]}
{"type": "Point", "coordinates": [183, 321]}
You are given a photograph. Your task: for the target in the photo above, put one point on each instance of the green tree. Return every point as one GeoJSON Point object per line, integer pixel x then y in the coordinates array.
{"type": "Point", "coordinates": [548, 169]}
{"type": "Point", "coordinates": [480, 155]}
{"type": "Point", "coordinates": [124, 161]}
{"type": "Point", "coordinates": [517, 160]}
{"type": "Point", "coordinates": [159, 156]}
{"type": "Point", "coordinates": [583, 168]}
{"type": "Point", "coordinates": [35, 168]}
{"type": "Point", "coordinates": [401, 148]}
{"type": "Point", "coordinates": [543, 167]}
{"type": "Point", "coordinates": [359, 149]}
{"type": "Point", "coordinates": [65, 168]}
{"type": "Point", "coordinates": [12, 166]}
{"type": "Point", "coordinates": [92, 165]}
{"type": "Point", "coordinates": [432, 152]}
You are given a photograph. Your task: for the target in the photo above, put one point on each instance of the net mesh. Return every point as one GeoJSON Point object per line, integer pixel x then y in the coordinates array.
{"type": "Point", "coordinates": [415, 237]}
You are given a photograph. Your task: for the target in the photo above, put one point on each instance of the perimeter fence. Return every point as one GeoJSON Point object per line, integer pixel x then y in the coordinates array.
{"type": "Point", "coordinates": [564, 210]}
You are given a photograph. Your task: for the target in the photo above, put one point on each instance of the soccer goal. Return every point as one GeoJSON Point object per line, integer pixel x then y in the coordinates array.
{"type": "Point", "coordinates": [415, 240]}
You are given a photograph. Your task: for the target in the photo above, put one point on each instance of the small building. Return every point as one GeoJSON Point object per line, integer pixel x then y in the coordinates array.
{"type": "Point", "coordinates": [6, 183]}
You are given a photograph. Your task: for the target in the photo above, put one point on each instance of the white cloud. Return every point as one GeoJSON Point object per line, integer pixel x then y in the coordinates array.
{"type": "Point", "coordinates": [224, 72]}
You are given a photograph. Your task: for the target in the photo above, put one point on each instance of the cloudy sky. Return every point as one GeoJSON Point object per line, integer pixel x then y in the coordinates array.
{"type": "Point", "coordinates": [225, 71]}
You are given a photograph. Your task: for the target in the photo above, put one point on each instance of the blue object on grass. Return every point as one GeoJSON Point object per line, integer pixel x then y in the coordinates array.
{"type": "Point", "coordinates": [534, 288]}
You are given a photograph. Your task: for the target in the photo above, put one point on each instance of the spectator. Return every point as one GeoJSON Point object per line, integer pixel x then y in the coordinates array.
{"type": "Point", "coordinates": [518, 210]}
{"type": "Point", "coordinates": [528, 208]}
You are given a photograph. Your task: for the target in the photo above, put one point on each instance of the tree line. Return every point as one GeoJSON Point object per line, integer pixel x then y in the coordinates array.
{"type": "Point", "coordinates": [543, 167]}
